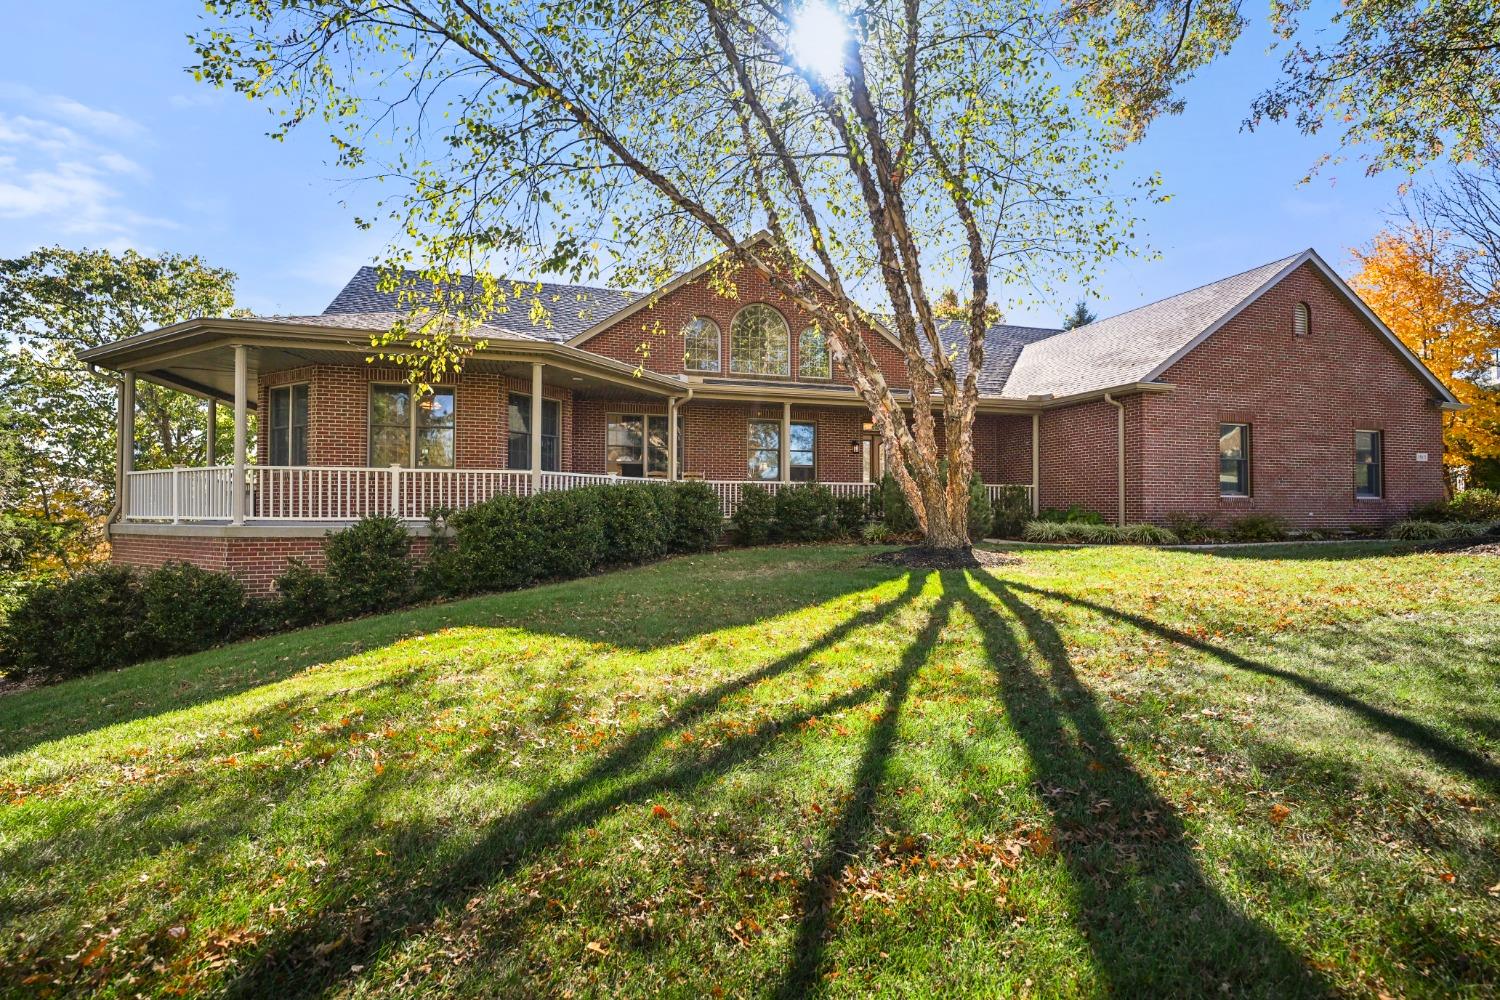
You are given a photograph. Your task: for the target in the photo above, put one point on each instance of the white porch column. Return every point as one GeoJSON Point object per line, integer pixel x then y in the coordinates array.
{"type": "Point", "coordinates": [536, 427]}
{"type": "Point", "coordinates": [1036, 464]}
{"type": "Point", "coordinates": [672, 439]}
{"type": "Point", "coordinates": [786, 442]}
{"type": "Point", "coordinates": [126, 435]}
{"type": "Point", "coordinates": [211, 446]}
{"type": "Point", "coordinates": [241, 405]}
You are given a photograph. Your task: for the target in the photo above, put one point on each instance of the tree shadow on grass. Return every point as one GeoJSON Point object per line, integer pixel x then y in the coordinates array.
{"type": "Point", "coordinates": [1155, 923]}
{"type": "Point", "coordinates": [297, 963]}
{"type": "Point", "coordinates": [631, 608]}
{"type": "Point", "coordinates": [851, 832]}
{"type": "Point", "coordinates": [1418, 736]}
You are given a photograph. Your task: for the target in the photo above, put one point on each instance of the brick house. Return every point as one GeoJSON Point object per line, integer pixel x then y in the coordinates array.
{"type": "Point", "coordinates": [1273, 391]}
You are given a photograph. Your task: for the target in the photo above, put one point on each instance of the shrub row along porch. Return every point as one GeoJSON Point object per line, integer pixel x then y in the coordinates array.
{"type": "Point", "coordinates": [343, 493]}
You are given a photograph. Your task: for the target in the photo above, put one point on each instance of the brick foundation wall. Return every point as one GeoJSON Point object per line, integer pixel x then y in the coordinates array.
{"type": "Point", "coordinates": [255, 561]}
{"type": "Point", "coordinates": [1303, 397]}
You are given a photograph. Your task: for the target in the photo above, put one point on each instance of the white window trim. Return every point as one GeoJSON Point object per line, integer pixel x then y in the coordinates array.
{"type": "Point", "coordinates": [509, 393]}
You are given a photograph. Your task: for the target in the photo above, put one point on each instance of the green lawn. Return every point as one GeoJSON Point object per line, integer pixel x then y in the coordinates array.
{"type": "Point", "coordinates": [780, 771]}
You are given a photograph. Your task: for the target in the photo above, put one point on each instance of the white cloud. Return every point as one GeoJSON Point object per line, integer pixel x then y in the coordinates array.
{"type": "Point", "coordinates": [66, 170]}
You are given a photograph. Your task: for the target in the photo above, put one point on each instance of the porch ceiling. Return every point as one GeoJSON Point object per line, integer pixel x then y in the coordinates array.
{"type": "Point", "coordinates": [204, 365]}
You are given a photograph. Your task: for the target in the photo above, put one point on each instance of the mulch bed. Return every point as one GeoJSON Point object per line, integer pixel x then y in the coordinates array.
{"type": "Point", "coordinates": [1478, 547]}
{"type": "Point", "coordinates": [921, 557]}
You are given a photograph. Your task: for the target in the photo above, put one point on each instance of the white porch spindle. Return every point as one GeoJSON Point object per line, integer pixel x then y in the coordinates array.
{"type": "Point", "coordinates": [126, 434]}
{"type": "Point", "coordinates": [536, 428]}
{"type": "Point", "coordinates": [176, 495]}
{"type": "Point", "coordinates": [395, 491]}
{"type": "Point", "coordinates": [241, 405]}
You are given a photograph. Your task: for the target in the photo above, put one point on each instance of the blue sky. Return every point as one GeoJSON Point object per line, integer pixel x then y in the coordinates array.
{"type": "Point", "coordinates": [105, 140]}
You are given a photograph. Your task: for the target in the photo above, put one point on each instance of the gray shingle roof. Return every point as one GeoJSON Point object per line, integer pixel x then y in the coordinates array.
{"type": "Point", "coordinates": [375, 321]}
{"type": "Point", "coordinates": [1003, 343]}
{"type": "Point", "coordinates": [1129, 347]}
{"type": "Point", "coordinates": [570, 309]}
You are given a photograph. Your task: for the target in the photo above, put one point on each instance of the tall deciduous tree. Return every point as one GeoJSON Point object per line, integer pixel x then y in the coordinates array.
{"type": "Point", "coordinates": [60, 416]}
{"type": "Point", "coordinates": [883, 145]}
{"type": "Point", "coordinates": [1414, 281]}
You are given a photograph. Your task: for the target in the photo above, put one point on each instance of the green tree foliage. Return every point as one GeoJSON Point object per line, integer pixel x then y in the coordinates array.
{"type": "Point", "coordinates": [1080, 316]}
{"type": "Point", "coordinates": [1409, 80]}
{"type": "Point", "coordinates": [58, 427]}
{"type": "Point", "coordinates": [575, 136]}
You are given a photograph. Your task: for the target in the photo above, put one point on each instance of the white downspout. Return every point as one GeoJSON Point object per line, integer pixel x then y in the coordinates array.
{"type": "Point", "coordinates": [1120, 451]}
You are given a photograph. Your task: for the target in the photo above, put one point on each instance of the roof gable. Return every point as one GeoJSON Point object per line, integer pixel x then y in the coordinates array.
{"type": "Point", "coordinates": [1132, 346]}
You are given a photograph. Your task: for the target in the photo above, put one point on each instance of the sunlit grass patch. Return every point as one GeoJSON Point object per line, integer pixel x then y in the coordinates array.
{"type": "Point", "coordinates": [784, 770]}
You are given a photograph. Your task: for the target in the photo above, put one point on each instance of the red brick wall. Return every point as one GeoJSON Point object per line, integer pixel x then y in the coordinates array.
{"type": "Point", "coordinates": [1304, 397]}
{"type": "Point", "coordinates": [1002, 447]}
{"type": "Point", "coordinates": [255, 561]}
{"type": "Point", "coordinates": [652, 337]}
{"type": "Point", "coordinates": [1080, 458]}
{"type": "Point", "coordinates": [715, 435]}
{"type": "Point", "coordinates": [339, 407]}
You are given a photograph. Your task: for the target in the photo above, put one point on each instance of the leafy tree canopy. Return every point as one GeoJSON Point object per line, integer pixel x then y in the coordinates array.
{"type": "Point", "coordinates": [1414, 280]}
{"type": "Point", "coordinates": [1080, 316]}
{"type": "Point", "coordinates": [59, 417]}
{"type": "Point", "coordinates": [1416, 80]}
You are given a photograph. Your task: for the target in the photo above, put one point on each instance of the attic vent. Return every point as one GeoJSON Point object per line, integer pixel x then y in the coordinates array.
{"type": "Point", "coordinates": [1301, 319]}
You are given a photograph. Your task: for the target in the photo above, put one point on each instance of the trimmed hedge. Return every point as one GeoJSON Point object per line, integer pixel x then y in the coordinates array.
{"type": "Point", "coordinates": [1086, 533]}
{"type": "Point", "coordinates": [113, 616]}
{"type": "Point", "coordinates": [76, 625]}
{"type": "Point", "coordinates": [804, 513]}
{"type": "Point", "coordinates": [368, 569]}
{"type": "Point", "coordinates": [1472, 505]}
{"type": "Point", "coordinates": [754, 519]}
{"type": "Point", "coordinates": [187, 609]}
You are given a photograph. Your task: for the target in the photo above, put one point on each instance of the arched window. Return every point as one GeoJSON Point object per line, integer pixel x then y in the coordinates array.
{"type": "Point", "coordinates": [759, 342]}
{"type": "Point", "coordinates": [812, 354]}
{"type": "Point", "coordinates": [1301, 319]}
{"type": "Point", "coordinates": [700, 345]}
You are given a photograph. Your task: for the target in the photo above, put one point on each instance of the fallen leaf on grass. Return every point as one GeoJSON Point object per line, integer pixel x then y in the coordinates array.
{"type": "Point", "coordinates": [597, 948]}
{"type": "Point", "coordinates": [1279, 813]}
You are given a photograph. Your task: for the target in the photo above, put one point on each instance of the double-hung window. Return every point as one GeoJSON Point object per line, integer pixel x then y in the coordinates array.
{"type": "Point", "coordinates": [1234, 460]}
{"type": "Point", "coordinates": [764, 450]}
{"type": "Point", "coordinates": [411, 429]}
{"type": "Point", "coordinates": [636, 445]}
{"type": "Point", "coordinates": [803, 453]}
{"type": "Point", "coordinates": [288, 425]}
{"type": "Point", "coordinates": [518, 454]}
{"type": "Point", "coordinates": [1368, 474]}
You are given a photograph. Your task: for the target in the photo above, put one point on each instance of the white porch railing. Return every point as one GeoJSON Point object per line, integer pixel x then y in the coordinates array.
{"type": "Point", "coordinates": [348, 493]}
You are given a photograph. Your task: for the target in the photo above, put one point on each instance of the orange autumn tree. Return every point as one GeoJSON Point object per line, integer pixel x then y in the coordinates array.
{"type": "Point", "coordinates": [1413, 279]}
